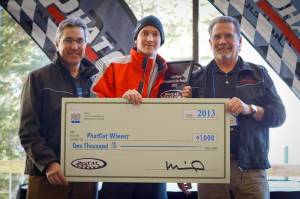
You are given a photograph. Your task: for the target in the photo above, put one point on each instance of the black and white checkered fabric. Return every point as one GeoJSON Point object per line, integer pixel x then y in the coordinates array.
{"type": "Point", "coordinates": [34, 20]}
{"type": "Point", "coordinates": [266, 38]}
{"type": "Point", "coordinates": [106, 17]}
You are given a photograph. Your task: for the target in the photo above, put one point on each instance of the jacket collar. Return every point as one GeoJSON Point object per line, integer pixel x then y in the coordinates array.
{"type": "Point", "coordinates": [141, 58]}
{"type": "Point", "coordinates": [86, 68]}
{"type": "Point", "coordinates": [243, 66]}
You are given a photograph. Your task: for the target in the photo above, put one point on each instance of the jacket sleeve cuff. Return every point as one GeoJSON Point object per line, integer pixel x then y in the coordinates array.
{"type": "Point", "coordinates": [43, 168]}
{"type": "Point", "coordinates": [40, 167]}
{"type": "Point", "coordinates": [272, 118]}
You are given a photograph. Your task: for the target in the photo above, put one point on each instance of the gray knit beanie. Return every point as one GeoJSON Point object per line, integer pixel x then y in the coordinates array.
{"type": "Point", "coordinates": [150, 21]}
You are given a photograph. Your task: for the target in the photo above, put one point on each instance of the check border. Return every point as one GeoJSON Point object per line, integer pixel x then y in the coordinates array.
{"type": "Point", "coordinates": [70, 101]}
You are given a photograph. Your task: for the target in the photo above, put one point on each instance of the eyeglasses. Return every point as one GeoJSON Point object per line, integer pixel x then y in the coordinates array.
{"type": "Point", "coordinates": [227, 37]}
{"type": "Point", "coordinates": [69, 41]}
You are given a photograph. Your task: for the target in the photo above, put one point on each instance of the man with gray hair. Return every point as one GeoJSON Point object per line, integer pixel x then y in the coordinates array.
{"type": "Point", "coordinates": [41, 114]}
{"type": "Point", "coordinates": [254, 104]}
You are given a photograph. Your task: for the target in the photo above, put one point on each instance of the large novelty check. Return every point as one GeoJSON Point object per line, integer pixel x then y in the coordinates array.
{"type": "Point", "coordinates": [161, 140]}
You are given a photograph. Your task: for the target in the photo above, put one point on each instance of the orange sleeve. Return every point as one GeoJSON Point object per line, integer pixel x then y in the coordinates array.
{"type": "Point", "coordinates": [104, 86]}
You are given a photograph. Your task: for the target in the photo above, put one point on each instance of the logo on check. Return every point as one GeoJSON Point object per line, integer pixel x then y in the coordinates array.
{"type": "Point", "coordinates": [88, 163]}
{"type": "Point", "coordinates": [75, 117]}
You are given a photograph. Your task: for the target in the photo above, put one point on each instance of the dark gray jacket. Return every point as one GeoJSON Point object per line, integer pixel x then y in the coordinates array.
{"type": "Point", "coordinates": [41, 112]}
{"type": "Point", "coordinates": [254, 135]}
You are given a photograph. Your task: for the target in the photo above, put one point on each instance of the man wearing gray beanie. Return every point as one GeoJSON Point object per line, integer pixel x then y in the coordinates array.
{"type": "Point", "coordinates": [134, 77]}
{"type": "Point", "coordinates": [152, 21]}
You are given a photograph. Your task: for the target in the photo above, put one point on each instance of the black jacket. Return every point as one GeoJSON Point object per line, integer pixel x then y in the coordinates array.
{"type": "Point", "coordinates": [41, 112]}
{"type": "Point", "coordinates": [254, 135]}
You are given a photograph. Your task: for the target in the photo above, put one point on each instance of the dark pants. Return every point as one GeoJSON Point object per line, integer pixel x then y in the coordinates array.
{"type": "Point", "coordinates": [40, 188]}
{"type": "Point", "coordinates": [133, 191]}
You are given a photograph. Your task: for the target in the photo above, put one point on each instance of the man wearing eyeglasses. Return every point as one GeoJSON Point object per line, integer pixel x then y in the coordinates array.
{"type": "Point", "coordinates": [254, 103]}
{"type": "Point", "coordinates": [41, 114]}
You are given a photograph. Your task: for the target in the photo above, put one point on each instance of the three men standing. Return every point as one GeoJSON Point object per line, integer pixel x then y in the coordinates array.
{"type": "Point", "coordinates": [253, 100]}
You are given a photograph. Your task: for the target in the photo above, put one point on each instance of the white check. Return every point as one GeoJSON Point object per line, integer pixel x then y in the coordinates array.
{"type": "Point", "coordinates": [161, 140]}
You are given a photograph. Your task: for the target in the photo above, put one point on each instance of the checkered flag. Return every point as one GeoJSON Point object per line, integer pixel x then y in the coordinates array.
{"type": "Point", "coordinates": [109, 22]}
